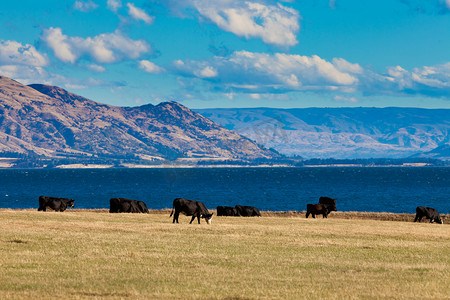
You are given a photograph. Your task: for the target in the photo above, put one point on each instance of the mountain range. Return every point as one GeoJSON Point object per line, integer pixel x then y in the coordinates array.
{"type": "Point", "coordinates": [343, 133]}
{"type": "Point", "coordinates": [51, 122]}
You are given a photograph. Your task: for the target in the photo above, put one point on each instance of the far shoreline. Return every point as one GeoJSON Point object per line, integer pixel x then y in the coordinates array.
{"type": "Point", "coordinates": [349, 215]}
{"type": "Point", "coordinates": [176, 166]}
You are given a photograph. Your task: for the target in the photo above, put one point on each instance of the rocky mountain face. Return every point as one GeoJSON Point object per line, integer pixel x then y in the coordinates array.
{"type": "Point", "coordinates": [343, 132]}
{"type": "Point", "coordinates": [50, 121]}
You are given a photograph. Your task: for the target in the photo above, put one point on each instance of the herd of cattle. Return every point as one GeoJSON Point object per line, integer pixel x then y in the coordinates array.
{"type": "Point", "coordinates": [198, 210]}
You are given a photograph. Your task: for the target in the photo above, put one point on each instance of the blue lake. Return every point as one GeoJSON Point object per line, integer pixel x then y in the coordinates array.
{"type": "Point", "coordinates": [395, 190]}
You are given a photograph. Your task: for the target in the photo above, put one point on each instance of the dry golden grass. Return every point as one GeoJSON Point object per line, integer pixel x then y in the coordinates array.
{"type": "Point", "coordinates": [350, 215]}
{"type": "Point", "coordinates": [93, 254]}
{"type": "Point", "coordinates": [353, 215]}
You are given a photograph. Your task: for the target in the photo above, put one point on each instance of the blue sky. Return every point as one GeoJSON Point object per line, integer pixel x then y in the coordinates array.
{"type": "Point", "coordinates": [233, 53]}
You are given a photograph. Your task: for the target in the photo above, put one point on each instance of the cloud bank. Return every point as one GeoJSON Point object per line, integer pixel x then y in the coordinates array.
{"type": "Point", "coordinates": [249, 72]}
{"type": "Point", "coordinates": [261, 72]}
{"type": "Point", "coordinates": [428, 80]}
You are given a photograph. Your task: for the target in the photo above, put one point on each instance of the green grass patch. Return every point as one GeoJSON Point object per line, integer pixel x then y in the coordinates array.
{"type": "Point", "coordinates": [91, 254]}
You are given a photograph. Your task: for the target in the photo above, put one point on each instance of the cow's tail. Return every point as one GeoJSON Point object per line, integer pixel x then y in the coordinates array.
{"type": "Point", "coordinates": [172, 211]}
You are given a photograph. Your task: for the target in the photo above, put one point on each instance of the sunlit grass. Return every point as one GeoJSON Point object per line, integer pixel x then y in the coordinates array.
{"type": "Point", "coordinates": [87, 254]}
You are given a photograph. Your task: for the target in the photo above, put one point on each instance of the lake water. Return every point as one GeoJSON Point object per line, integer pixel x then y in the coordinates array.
{"type": "Point", "coordinates": [398, 190]}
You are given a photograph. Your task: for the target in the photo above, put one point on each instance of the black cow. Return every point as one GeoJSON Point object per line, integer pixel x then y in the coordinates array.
{"type": "Point", "coordinates": [317, 209]}
{"type": "Point", "coordinates": [58, 204]}
{"type": "Point", "coordinates": [122, 205]}
{"type": "Point", "coordinates": [428, 213]}
{"type": "Point", "coordinates": [193, 208]}
{"type": "Point", "coordinates": [247, 211]}
{"type": "Point", "coordinates": [227, 211]}
{"type": "Point", "coordinates": [331, 203]}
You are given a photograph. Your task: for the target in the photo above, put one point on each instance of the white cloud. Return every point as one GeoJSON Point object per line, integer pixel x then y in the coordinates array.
{"type": "Point", "coordinates": [207, 72]}
{"type": "Point", "coordinates": [261, 72]}
{"type": "Point", "coordinates": [345, 66]}
{"type": "Point", "coordinates": [139, 14]}
{"type": "Point", "coordinates": [345, 99]}
{"type": "Point", "coordinates": [31, 74]}
{"type": "Point", "coordinates": [400, 77]}
{"type": "Point", "coordinates": [24, 74]}
{"type": "Point", "coordinates": [103, 48]}
{"type": "Point", "coordinates": [85, 6]}
{"type": "Point", "coordinates": [59, 43]}
{"type": "Point", "coordinates": [96, 68]}
{"type": "Point", "coordinates": [114, 5]}
{"type": "Point", "coordinates": [275, 24]}
{"type": "Point", "coordinates": [12, 53]}
{"type": "Point", "coordinates": [150, 67]}
{"type": "Point", "coordinates": [431, 81]}
{"type": "Point", "coordinates": [279, 73]}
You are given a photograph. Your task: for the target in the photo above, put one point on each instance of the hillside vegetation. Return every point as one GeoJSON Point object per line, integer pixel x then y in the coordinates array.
{"type": "Point", "coordinates": [94, 254]}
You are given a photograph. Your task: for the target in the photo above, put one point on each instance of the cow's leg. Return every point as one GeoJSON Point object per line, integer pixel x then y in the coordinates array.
{"type": "Point", "coordinates": [307, 214]}
{"type": "Point", "coordinates": [175, 216]}
{"type": "Point", "coordinates": [198, 217]}
{"type": "Point", "coordinates": [193, 218]}
{"type": "Point", "coordinates": [416, 218]}
{"type": "Point", "coordinates": [314, 216]}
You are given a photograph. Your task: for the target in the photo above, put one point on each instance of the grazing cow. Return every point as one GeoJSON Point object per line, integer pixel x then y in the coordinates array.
{"type": "Point", "coordinates": [247, 211]}
{"type": "Point", "coordinates": [317, 209]}
{"type": "Point", "coordinates": [122, 205]}
{"type": "Point", "coordinates": [428, 213]}
{"type": "Point", "coordinates": [58, 204]}
{"type": "Point", "coordinates": [227, 211]}
{"type": "Point", "coordinates": [143, 207]}
{"type": "Point", "coordinates": [196, 209]}
{"type": "Point", "coordinates": [331, 203]}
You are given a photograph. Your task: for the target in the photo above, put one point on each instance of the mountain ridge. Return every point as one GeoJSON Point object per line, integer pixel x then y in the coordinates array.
{"type": "Point", "coordinates": [48, 121]}
{"type": "Point", "coordinates": [359, 132]}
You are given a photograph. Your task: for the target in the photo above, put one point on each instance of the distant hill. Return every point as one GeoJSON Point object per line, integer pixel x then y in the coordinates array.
{"type": "Point", "coordinates": [343, 132]}
{"type": "Point", "coordinates": [441, 152]}
{"type": "Point", "coordinates": [51, 122]}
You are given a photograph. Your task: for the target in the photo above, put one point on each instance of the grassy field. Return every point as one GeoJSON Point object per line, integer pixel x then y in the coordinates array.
{"type": "Point", "coordinates": [94, 254]}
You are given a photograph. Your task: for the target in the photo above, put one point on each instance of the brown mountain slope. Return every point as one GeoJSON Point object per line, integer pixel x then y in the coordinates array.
{"type": "Point", "coordinates": [48, 120]}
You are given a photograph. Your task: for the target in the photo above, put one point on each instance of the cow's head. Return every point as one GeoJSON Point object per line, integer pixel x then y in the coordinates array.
{"type": "Point", "coordinates": [207, 217]}
{"type": "Point", "coordinates": [438, 220]}
{"type": "Point", "coordinates": [70, 203]}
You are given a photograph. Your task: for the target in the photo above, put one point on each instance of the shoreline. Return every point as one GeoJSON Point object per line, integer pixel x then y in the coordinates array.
{"type": "Point", "coordinates": [170, 166]}
{"type": "Point", "coordinates": [349, 215]}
